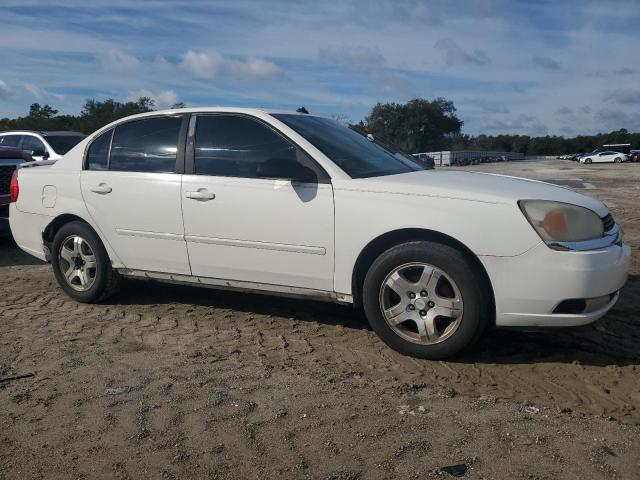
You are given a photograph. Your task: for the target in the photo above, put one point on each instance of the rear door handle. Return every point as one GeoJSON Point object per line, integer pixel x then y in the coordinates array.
{"type": "Point", "coordinates": [201, 194]}
{"type": "Point", "coordinates": [101, 188]}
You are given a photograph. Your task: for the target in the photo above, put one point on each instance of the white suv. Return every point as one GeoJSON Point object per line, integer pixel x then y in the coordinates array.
{"type": "Point", "coordinates": [295, 204]}
{"type": "Point", "coordinates": [42, 145]}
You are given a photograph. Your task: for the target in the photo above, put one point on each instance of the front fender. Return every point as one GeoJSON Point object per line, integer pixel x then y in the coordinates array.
{"type": "Point", "coordinates": [486, 228]}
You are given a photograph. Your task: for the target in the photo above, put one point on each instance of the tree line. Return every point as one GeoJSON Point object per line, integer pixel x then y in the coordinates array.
{"type": "Point", "coordinates": [94, 115]}
{"type": "Point", "coordinates": [426, 126]}
{"type": "Point", "coordinates": [419, 125]}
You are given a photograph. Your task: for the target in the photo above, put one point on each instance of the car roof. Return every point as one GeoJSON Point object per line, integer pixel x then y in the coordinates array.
{"type": "Point", "coordinates": [44, 133]}
{"type": "Point", "coordinates": [257, 112]}
{"type": "Point", "coordinates": [214, 109]}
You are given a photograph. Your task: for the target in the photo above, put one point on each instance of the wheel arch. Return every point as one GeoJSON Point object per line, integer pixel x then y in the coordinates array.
{"type": "Point", "coordinates": [52, 228]}
{"type": "Point", "coordinates": [396, 237]}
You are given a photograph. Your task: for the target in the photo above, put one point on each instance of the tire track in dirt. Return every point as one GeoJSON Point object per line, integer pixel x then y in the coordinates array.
{"type": "Point", "coordinates": [549, 368]}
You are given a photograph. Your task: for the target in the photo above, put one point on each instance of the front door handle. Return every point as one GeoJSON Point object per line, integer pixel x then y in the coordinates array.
{"type": "Point", "coordinates": [101, 188]}
{"type": "Point", "coordinates": [201, 194]}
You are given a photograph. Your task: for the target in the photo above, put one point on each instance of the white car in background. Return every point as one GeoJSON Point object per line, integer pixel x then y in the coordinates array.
{"type": "Point", "coordinates": [294, 204]}
{"type": "Point", "coordinates": [604, 157]}
{"type": "Point", "coordinates": [42, 145]}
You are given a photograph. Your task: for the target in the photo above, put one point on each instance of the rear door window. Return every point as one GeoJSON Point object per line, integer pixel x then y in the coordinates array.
{"type": "Point", "coordinates": [149, 145]}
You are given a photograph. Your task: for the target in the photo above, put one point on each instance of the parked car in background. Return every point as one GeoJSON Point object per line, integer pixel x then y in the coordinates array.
{"type": "Point", "coordinates": [41, 145]}
{"type": "Point", "coordinates": [10, 158]}
{"type": "Point", "coordinates": [604, 157]}
{"type": "Point", "coordinates": [427, 161]}
{"type": "Point", "coordinates": [296, 204]}
{"type": "Point", "coordinates": [613, 147]}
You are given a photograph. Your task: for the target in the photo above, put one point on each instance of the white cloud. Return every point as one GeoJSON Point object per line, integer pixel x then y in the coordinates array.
{"type": "Point", "coordinates": [118, 61]}
{"type": "Point", "coordinates": [455, 55]}
{"type": "Point", "coordinates": [391, 82]}
{"type": "Point", "coordinates": [202, 64]}
{"type": "Point", "coordinates": [5, 91]}
{"type": "Point", "coordinates": [253, 68]}
{"type": "Point", "coordinates": [211, 64]}
{"type": "Point", "coordinates": [164, 98]}
{"type": "Point", "coordinates": [41, 93]}
{"type": "Point", "coordinates": [625, 71]}
{"type": "Point", "coordinates": [352, 57]}
{"type": "Point", "coordinates": [545, 62]}
{"type": "Point", "coordinates": [519, 122]}
{"type": "Point", "coordinates": [610, 118]}
{"type": "Point", "coordinates": [624, 96]}
{"type": "Point", "coordinates": [491, 106]}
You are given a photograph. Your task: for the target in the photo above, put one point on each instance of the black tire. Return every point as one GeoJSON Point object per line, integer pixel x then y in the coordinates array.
{"type": "Point", "coordinates": [107, 280]}
{"type": "Point", "coordinates": [617, 160]}
{"type": "Point", "coordinates": [588, 161]}
{"type": "Point", "coordinates": [475, 294]}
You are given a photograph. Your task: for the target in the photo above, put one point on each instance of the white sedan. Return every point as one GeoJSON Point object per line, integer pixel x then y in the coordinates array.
{"type": "Point", "coordinates": [604, 157]}
{"type": "Point", "coordinates": [294, 204]}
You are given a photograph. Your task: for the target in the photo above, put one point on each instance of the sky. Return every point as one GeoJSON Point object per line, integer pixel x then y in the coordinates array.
{"type": "Point", "coordinates": [536, 67]}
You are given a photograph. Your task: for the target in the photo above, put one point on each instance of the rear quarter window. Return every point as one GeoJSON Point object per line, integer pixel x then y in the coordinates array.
{"type": "Point", "coordinates": [98, 153]}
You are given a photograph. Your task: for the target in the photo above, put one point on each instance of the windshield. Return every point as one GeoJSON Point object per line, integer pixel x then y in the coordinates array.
{"type": "Point", "coordinates": [61, 144]}
{"type": "Point", "coordinates": [354, 153]}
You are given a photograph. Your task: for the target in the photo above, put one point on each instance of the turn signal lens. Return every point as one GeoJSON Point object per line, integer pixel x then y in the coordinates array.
{"type": "Point", "coordinates": [14, 189]}
{"type": "Point", "coordinates": [555, 224]}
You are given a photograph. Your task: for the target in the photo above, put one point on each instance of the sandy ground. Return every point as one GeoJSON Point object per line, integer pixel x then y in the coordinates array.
{"type": "Point", "coordinates": [177, 382]}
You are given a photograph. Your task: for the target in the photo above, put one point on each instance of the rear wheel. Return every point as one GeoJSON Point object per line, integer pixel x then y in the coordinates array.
{"type": "Point", "coordinates": [426, 300]}
{"type": "Point", "coordinates": [81, 264]}
{"type": "Point", "coordinates": [617, 160]}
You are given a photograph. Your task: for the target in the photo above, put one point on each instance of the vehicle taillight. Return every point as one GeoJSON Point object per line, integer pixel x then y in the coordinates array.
{"type": "Point", "coordinates": [14, 189]}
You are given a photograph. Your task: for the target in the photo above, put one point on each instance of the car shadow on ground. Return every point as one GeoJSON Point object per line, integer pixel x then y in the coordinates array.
{"type": "Point", "coordinates": [150, 292]}
{"type": "Point", "coordinates": [12, 256]}
{"type": "Point", "coordinates": [612, 340]}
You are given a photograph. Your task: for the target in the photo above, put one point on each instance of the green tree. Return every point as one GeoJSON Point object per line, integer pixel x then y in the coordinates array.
{"type": "Point", "coordinates": [95, 114]}
{"type": "Point", "coordinates": [417, 126]}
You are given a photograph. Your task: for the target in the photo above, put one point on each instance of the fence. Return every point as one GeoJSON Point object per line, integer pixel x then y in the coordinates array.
{"type": "Point", "coordinates": [469, 157]}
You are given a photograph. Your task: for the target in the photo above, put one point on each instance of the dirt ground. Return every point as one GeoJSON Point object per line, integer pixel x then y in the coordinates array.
{"type": "Point", "coordinates": [177, 382]}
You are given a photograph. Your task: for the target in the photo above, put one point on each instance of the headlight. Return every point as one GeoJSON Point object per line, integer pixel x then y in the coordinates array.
{"type": "Point", "coordinates": [562, 222]}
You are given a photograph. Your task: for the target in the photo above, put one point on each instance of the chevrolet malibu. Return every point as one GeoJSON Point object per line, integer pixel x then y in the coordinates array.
{"type": "Point", "coordinates": [299, 205]}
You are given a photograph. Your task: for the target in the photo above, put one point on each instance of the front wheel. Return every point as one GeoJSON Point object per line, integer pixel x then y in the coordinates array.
{"type": "Point", "coordinates": [426, 300]}
{"type": "Point", "coordinates": [81, 264]}
{"type": "Point", "coordinates": [617, 160]}
{"type": "Point", "coordinates": [588, 161]}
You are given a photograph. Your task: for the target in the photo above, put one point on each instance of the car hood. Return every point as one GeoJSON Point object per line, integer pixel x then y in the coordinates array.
{"type": "Point", "coordinates": [473, 186]}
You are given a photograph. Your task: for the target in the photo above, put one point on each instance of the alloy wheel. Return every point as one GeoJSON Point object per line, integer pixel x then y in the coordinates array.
{"type": "Point", "coordinates": [421, 303]}
{"type": "Point", "coordinates": [77, 263]}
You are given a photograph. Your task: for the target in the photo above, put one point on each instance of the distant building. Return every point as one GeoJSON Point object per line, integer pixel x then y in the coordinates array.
{"type": "Point", "coordinates": [469, 157]}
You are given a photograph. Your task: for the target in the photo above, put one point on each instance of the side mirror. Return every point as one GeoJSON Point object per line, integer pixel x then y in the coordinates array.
{"type": "Point", "coordinates": [286, 169]}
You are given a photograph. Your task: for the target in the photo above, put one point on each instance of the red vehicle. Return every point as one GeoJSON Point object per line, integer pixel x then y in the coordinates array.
{"type": "Point", "coordinates": [634, 156]}
{"type": "Point", "coordinates": [10, 158]}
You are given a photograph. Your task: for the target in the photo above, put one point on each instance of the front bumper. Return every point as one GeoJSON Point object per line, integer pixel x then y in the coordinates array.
{"type": "Point", "coordinates": [529, 287]}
